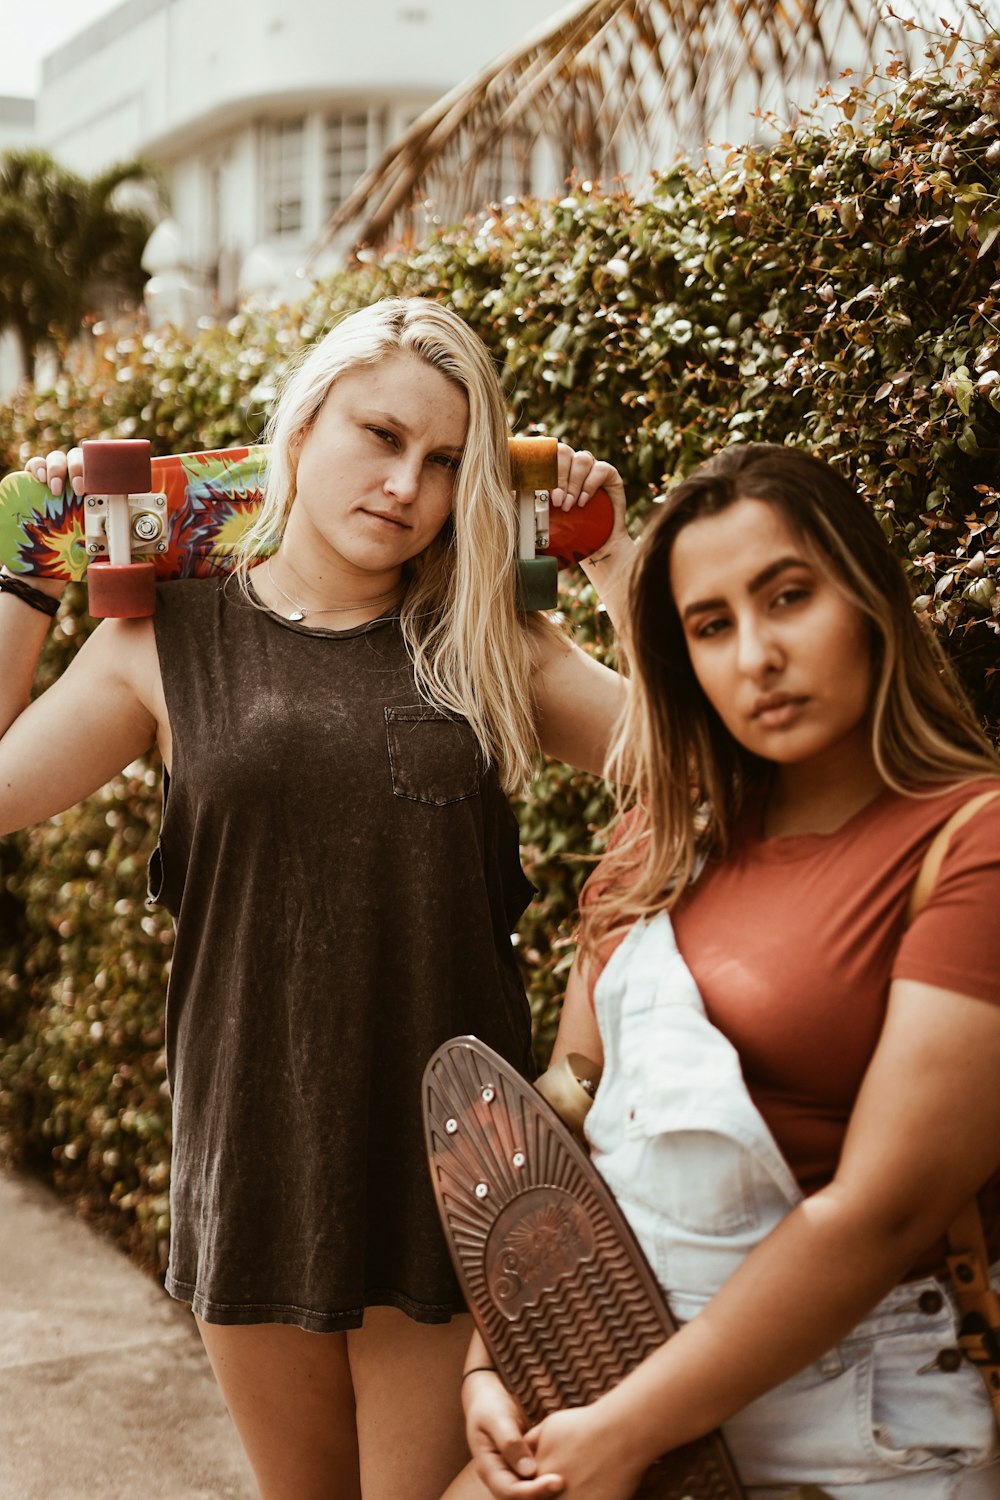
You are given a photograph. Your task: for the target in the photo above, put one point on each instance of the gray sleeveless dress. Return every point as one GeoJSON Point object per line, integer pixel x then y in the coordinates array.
{"type": "Point", "coordinates": [344, 875]}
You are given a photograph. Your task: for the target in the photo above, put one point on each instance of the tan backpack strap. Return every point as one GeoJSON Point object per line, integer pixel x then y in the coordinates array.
{"type": "Point", "coordinates": [968, 1261]}
{"type": "Point", "coordinates": [930, 869]}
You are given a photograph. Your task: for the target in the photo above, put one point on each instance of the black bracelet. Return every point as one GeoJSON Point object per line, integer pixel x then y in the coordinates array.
{"type": "Point", "coordinates": [33, 597]}
{"type": "Point", "coordinates": [478, 1370]}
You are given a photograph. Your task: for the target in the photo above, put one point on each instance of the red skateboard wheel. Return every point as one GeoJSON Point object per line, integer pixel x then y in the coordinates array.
{"type": "Point", "coordinates": [575, 534]}
{"type": "Point", "coordinates": [118, 466]}
{"type": "Point", "coordinates": [121, 592]}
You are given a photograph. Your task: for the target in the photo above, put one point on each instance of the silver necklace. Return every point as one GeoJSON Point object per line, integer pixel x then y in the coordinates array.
{"type": "Point", "coordinates": [298, 613]}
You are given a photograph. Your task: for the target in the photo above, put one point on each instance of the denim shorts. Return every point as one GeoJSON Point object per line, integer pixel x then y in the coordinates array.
{"type": "Point", "coordinates": [894, 1409]}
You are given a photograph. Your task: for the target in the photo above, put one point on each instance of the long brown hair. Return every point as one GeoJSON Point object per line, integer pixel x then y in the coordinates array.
{"type": "Point", "coordinates": [673, 752]}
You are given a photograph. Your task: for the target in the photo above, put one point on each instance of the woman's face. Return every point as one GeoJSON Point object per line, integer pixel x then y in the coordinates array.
{"type": "Point", "coordinates": [780, 653]}
{"type": "Point", "coordinates": [376, 469]}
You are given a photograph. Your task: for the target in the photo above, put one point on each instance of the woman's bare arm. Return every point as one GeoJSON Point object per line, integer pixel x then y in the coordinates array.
{"type": "Point", "coordinates": [95, 719]}
{"type": "Point", "coordinates": [578, 1030]}
{"type": "Point", "coordinates": [577, 700]}
{"type": "Point", "coordinates": [105, 710]}
{"type": "Point", "coordinates": [22, 634]}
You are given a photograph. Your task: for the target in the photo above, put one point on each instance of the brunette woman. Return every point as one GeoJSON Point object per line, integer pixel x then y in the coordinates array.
{"type": "Point", "coordinates": [800, 1073]}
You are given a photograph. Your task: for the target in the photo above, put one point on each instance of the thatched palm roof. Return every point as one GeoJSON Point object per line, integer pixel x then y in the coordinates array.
{"type": "Point", "coordinates": [597, 84]}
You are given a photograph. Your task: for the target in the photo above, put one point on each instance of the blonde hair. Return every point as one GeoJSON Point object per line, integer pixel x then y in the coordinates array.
{"type": "Point", "coordinates": [459, 615]}
{"type": "Point", "coordinates": [684, 769]}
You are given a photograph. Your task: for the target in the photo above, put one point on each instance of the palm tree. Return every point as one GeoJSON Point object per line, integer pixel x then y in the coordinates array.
{"type": "Point", "coordinates": [597, 84]}
{"type": "Point", "coordinates": [69, 246]}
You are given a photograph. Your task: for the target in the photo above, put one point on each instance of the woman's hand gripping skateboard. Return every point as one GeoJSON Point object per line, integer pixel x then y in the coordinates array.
{"type": "Point", "coordinates": [572, 1452]}
{"type": "Point", "coordinates": [581, 478]}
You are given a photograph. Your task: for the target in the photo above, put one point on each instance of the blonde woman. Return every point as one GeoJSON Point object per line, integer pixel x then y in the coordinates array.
{"type": "Point", "coordinates": [800, 1074]}
{"type": "Point", "coordinates": [340, 728]}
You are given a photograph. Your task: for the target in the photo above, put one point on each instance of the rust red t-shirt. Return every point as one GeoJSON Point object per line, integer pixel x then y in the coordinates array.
{"type": "Point", "coordinates": [794, 942]}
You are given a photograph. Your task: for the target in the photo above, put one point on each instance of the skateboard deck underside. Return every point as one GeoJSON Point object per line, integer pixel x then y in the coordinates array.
{"type": "Point", "coordinates": [212, 499]}
{"type": "Point", "coordinates": [554, 1277]}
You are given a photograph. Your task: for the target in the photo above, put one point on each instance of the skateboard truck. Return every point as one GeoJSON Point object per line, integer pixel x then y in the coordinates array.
{"type": "Point", "coordinates": [123, 518]}
{"type": "Point", "coordinates": [550, 539]}
{"type": "Point", "coordinates": [534, 470]}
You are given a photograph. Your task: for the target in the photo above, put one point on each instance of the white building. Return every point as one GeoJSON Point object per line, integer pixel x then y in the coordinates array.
{"type": "Point", "coordinates": [17, 129]}
{"type": "Point", "coordinates": [263, 113]}
{"type": "Point", "coordinates": [17, 122]}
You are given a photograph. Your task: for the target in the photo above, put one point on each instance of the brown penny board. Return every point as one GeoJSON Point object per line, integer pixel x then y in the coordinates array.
{"type": "Point", "coordinates": [554, 1277]}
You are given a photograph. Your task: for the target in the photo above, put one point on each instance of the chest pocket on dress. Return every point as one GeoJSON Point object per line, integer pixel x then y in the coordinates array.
{"type": "Point", "coordinates": [432, 758]}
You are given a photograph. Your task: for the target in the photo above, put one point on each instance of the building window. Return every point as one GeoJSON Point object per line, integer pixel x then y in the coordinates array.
{"type": "Point", "coordinates": [353, 140]}
{"type": "Point", "coordinates": [284, 142]}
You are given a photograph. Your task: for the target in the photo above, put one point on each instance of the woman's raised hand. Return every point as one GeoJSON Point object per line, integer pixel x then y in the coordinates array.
{"type": "Point", "coordinates": [56, 467]}
{"type": "Point", "coordinates": [581, 475]}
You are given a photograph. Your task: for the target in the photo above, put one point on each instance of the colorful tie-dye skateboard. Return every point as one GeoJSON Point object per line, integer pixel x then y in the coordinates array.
{"type": "Point", "coordinates": [556, 1281]}
{"type": "Point", "coordinates": [143, 519]}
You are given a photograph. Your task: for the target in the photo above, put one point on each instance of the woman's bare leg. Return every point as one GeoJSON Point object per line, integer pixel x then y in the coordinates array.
{"type": "Point", "coordinates": [407, 1375]}
{"type": "Point", "coordinates": [291, 1397]}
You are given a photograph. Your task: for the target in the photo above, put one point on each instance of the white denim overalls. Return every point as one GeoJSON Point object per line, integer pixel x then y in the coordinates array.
{"type": "Point", "coordinates": [701, 1180]}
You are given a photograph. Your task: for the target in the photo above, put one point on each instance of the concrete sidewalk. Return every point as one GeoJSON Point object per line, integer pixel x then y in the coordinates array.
{"type": "Point", "coordinates": [105, 1390]}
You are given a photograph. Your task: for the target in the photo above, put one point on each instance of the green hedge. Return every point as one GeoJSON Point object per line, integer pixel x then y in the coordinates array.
{"type": "Point", "coordinates": [838, 289]}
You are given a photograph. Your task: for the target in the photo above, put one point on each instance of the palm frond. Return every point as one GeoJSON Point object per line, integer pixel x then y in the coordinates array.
{"type": "Point", "coordinates": [605, 85]}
